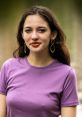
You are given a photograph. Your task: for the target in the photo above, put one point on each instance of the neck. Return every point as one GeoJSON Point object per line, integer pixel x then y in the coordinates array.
{"type": "Point", "coordinates": [39, 60]}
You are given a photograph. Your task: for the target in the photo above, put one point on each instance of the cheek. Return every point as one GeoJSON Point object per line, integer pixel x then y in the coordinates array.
{"type": "Point", "coordinates": [25, 37]}
{"type": "Point", "coordinates": [47, 39]}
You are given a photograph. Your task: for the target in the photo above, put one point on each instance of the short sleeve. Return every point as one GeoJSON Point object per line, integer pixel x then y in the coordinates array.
{"type": "Point", "coordinates": [69, 95]}
{"type": "Point", "coordinates": [3, 80]}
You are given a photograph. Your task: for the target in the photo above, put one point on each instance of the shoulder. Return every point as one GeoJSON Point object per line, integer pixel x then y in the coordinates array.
{"type": "Point", "coordinates": [12, 62]}
{"type": "Point", "coordinates": [12, 65]}
{"type": "Point", "coordinates": [70, 73]}
{"type": "Point", "coordinates": [9, 61]}
{"type": "Point", "coordinates": [66, 70]}
{"type": "Point", "coordinates": [70, 70]}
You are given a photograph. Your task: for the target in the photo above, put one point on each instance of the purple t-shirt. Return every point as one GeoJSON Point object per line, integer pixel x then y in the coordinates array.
{"type": "Point", "coordinates": [37, 91]}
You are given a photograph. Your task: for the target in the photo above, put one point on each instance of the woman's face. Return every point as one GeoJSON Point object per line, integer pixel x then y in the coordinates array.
{"type": "Point", "coordinates": [36, 33]}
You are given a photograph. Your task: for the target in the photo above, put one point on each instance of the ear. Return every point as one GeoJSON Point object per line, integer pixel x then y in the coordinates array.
{"type": "Point", "coordinates": [53, 35]}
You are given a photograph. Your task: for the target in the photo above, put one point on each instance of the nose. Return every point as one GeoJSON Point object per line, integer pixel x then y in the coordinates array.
{"type": "Point", "coordinates": [34, 35]}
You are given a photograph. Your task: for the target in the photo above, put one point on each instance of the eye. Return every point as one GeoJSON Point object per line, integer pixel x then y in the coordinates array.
{"type": "Point", "coordinates": [28, 30]}
{"type": "Point", "coordinates": [41, 30]}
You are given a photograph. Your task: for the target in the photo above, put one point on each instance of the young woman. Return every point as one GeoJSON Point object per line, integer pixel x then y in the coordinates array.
{"type": "Point", "coordinates": [38, 81]}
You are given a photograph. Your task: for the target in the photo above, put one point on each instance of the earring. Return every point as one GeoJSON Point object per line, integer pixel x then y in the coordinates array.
{"type": "Point", "coordinates": [52, 47]}
{"type": "Point", "coordinates": [24, 48]}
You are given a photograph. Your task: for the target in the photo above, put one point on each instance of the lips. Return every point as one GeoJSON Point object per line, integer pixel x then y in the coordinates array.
{"type": "Point", "coordinates": [35, 44]}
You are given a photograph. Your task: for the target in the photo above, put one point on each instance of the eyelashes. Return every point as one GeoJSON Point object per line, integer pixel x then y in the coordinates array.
{"type": "Point", "coordinates": [40, 30]}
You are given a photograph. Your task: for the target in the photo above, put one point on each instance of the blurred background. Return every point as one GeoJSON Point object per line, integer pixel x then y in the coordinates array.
{"type": "Point", "coordinates": [68, 13]}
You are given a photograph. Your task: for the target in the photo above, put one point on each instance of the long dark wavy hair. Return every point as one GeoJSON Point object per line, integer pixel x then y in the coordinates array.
{"type": "Point", "coordinates": [61, 51]}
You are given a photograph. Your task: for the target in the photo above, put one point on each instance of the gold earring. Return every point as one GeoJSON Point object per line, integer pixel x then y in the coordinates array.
{"type": "Point", "coordinates": [52, 47]}
{"type": "Point", "coordinates": [24, 48]}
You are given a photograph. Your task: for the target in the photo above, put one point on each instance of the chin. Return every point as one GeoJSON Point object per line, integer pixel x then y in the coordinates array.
{"type": "Point", "coordinates": [36, 51]}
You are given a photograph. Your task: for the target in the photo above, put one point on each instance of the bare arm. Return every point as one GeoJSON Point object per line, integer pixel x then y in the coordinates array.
{"type": "Point", "coordinates": [68, 112]}
{"type": "Point", "coordinates": [2, 105]}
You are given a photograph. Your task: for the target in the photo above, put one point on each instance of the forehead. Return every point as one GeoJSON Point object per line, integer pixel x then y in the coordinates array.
{"type": "Point", "coordinates": [34, 20]}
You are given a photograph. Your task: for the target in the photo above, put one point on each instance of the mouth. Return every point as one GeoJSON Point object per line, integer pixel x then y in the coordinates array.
{"type": "Point", "coordinates": [35, 44]}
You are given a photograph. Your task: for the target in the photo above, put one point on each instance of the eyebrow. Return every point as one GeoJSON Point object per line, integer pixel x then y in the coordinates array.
{"type": "Point", "coordinates": [27, 27]}
{"type": "Point", "coordinates": [42, 27]}
{"type": "Point", "coordinates": [37, 27]}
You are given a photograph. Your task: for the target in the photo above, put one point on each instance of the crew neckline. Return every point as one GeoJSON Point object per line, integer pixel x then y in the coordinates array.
{"type": "Point", "coordinates": [42, 67]}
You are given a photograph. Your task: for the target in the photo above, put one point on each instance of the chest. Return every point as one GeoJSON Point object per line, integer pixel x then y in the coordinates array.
{"type": "Point", "coordinates": [34, 91]}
